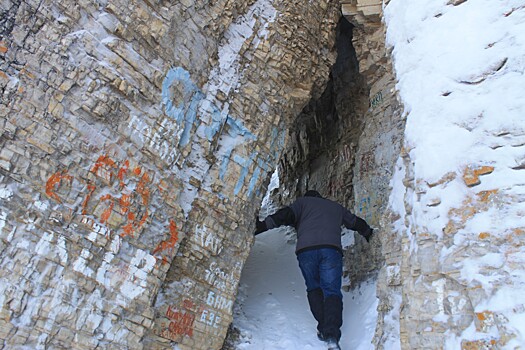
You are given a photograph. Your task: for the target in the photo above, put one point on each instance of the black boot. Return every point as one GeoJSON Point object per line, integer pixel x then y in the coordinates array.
{"type": "Point", "coordinates": [316, 301]}
{"type": "Point", "coordinates": [333, 318]}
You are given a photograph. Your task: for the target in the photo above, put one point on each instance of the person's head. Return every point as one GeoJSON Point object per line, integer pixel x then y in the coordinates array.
{"type": "Point", "coordinates": [313, 193]}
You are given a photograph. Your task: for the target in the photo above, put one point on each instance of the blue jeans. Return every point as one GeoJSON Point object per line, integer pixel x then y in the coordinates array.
{"type": "Point", "coordinates": [322, 268]}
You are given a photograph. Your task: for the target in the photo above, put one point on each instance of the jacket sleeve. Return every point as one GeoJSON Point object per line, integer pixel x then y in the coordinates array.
{"type": "Point", "coordinates": [283, 217]}
{"type": "Point", "coordinates": [354, 222]}
{"type": "Point", "coordinates": [349, 220]}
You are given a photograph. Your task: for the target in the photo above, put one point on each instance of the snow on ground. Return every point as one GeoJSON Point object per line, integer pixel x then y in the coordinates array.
{"type": "Point", "coordinates": [272, 311]}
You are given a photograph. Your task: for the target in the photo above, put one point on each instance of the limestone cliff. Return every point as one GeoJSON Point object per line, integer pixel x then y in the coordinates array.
{"type": "Point", "coordinates": [137, 139]}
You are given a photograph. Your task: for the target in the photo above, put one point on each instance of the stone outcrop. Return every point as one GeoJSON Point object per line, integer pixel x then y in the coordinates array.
{"type": "Point", "coordinates": [137, 138]}
{"type": "Point", "coordinates": [459, 276]}
{"type": "Point", "coordinates": [136, 143]}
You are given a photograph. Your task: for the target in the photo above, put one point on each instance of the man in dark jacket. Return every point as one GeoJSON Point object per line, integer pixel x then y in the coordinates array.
{"type": "Point", "coordinates": [318, 223]}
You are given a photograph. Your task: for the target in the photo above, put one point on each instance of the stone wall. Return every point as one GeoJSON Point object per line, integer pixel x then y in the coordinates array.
{"type": "Point", "coordinates": [462, 271]}
{"type": "Point", "coordinates": [445, 283]}
{"type": "Point", "coordinates": [376, 160]}
{"type": "Point", "coordinates": [346, 143]}
{"type": "Point", "coordinates": [136, 139]}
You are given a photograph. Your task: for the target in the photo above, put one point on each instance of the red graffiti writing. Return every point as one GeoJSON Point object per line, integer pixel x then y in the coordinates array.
{"type": "Point", "coordinates": [169, 244]}
{"type": "Point", "coordinates": [105, 215]}
{"type": "Point", "coordinates": [181, 320]}
{"type": "Point", "coordinates": [101, 167]}
{"type": "Point", "coordinates": [124, 192]}
{"type": "Point", "coordinates": [122, 172]}
{"type": "Point", "coordinates": [55, 181]}
{"type": "Point", "coordinates": [91, 188]}
{"type": "Point", "coordinates": [368, 161]}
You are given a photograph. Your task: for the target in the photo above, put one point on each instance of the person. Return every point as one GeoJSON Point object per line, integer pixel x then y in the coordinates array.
{"type": "Point", "coordinates": [318, 223]}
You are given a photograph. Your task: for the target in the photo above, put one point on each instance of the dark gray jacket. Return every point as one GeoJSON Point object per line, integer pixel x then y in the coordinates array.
{"type": "Point", "coordinates": [317, 221]}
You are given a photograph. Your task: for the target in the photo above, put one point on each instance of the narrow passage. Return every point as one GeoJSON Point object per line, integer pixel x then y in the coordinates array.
{"type": "Point", "coordinates": [272, 310]}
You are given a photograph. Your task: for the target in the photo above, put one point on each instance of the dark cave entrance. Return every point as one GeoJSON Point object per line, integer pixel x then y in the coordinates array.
{"type": "Point", "coordinates": [325, 135]}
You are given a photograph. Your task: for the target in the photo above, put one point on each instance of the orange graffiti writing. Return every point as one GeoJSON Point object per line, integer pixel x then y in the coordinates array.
{"type": "Point", "coordinates": [122, 171]}
{"type": "Point", "coordinates": [142, 189]}
{"type": "Point", "coordinates": [128, 196]}
{"type": "Point", "coordinates": [91, 188]}
{"type": "Point", "coordinates": [170, 242]}
{"type": "Point", "coordinates": [103, 160]}
{"type": "Point", "coordinates": [132, 227]}
{"type": "Point", "coordinates": [105, 215]}
{"type": "Point", "coordinates": [98, 167]}
{"type": "Point", "coordinates": [188, 304]}
{"type": "Point", "coordinates": [125, 200]}
{"type": "Point", "coordinates": [55, 180]}
{"type": "Point", "coordinates": [125, 203]}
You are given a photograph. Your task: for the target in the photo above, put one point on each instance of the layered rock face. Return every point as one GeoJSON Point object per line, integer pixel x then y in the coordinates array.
{"type": "Point", "coordinates": [137, 138]}
{"type": "Point", "coordinates": [136, 142]}
{"type": "Point", "coordinates": [459, 212]}
{"type": "Point", "coordinates": [448, 256]}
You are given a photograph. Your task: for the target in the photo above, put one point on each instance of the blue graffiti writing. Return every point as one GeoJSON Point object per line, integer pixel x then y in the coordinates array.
{"type": "Point", "coordinates": [182, 100]}
{"type": "Point", "coordinates": [184, 111]}
{"type": "Point", "coordinates": [376, 100]}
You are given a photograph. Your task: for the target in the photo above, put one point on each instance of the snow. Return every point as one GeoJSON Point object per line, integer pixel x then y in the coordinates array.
{"type": "Point", "coordinates": [272, 311]}
{"type": "Point", "coordinates": [460, 73]}
{"type": "Point", "coordinates": [461, 79]}
{"type": "Point", "coordinates": [430, 47]}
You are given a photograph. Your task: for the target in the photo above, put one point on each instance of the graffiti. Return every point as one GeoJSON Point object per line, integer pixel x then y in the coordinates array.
{"type": "Point", "coordinates": [101, 168]}
{"type": "Point", "coordinates": [131, 278]}
{"type": "Point", "coordinates": [181, 321]}
{"type": "Point", "coordinates": [169, 244]}
{"type": "Point", "coordinates": [210, 318]}
{"type": "Point", "coordinates": [276, 145]}
{"type": "Point", "coordinates": [134, 187]}
{"type": "Point", "coordinates": [367, 161]}
{"type": "Point", "coordinates": [376, 100]}
{"type": "Point", "coordinates": [91, 189]}
{"type": "Point", "coordinates": [182, 100]}
{"type": "Point", "coordinates": [364, 206]}
{"type": "Point", "coordinates": [337, 184]}
{"type": "Point", "coordinates": [215, 276]}
{"type": "Point", "coordinates": [368, 209]}
{"type": "Point", "coordinates": [115, 204]}
{"type": "Point", "coordinates": [218, 301]}
{"type": "Point", "coordinates": [3, 220]}
{"type": "Point", "coordinates": [208, 240]}
{"type": "Point", "coordinates": [345, 154]}
{"type": "Point", "coordinates": [139, 268]}
{"type": "Point", "coordinates": [159, 139]}
{"type": "Point", "coordinates": [96, 229]}
{"type": "Point", "coordinates": [55, 181]}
